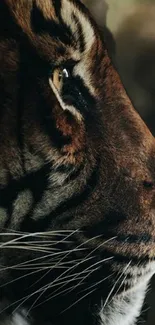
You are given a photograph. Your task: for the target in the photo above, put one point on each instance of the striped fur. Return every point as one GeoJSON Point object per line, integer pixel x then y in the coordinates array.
{"type": "Point", "coordinates": [77, 175]}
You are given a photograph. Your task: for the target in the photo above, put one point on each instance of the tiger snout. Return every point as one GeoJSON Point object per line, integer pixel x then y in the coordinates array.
{"type": "Point", "coordinates": [77, 174]}
{"type": "Point", "coordinates": [124, 200]}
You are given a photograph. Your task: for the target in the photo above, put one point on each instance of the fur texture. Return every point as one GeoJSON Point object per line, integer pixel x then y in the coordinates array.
{"type": "Point", "coordinates": [77, 173]}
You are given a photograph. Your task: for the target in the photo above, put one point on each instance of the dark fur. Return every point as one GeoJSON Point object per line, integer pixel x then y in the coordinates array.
{"type": "Point", "coordinates": [107, 161]}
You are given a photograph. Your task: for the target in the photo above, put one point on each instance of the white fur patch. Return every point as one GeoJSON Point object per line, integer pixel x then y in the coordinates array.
{"type": "Point", "coordinates": [19, 320]}
{"type": "Point", "coordinates": [16, 319]}
{"type": "Point", "coordinates": [124, 309]}
{"type": "Point", "coordinates": [67, 11]}
{"type": "Point", "coordinates": [65, 107]}
{"type": "Point", "coordinates": [82, 68]}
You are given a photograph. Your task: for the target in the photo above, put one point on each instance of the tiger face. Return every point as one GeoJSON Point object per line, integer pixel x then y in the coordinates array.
{"type": "Point", "coordinates": [77, 174]}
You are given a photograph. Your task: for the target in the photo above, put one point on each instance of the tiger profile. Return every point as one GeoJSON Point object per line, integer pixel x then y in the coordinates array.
{"type": "Point", "coordinates": [77, 174]}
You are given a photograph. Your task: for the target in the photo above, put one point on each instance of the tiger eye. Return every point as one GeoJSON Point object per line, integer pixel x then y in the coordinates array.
{"type": "Point", "coordinates": [58, 77]}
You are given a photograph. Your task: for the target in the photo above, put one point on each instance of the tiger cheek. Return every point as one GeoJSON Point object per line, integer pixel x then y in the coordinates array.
{"type": "Point", "coordinates": [74, 135]}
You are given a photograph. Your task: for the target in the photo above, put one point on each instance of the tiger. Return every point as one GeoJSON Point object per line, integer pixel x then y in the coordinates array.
{"type": "Point", "coordinates": [77, 174]}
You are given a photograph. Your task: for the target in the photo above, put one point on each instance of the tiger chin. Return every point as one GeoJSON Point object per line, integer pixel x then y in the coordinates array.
{"type": "Point", "coordinates": [77, 174]}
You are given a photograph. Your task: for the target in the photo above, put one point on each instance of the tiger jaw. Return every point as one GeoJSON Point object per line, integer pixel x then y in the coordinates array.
{"type": "Point", "coordinates": [77, 169]}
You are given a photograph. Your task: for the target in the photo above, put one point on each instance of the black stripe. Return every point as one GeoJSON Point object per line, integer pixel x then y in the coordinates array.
{"type": "Point", "coordinates": [40, 25]}
{"type": "Point", "coordinates": [74, 92]}
{"type": "Point", "coordinates": [108, 229]}
{"type": "Point", "coordinates": [37, 182]}
{"type": "Point", "coordinates": [110, 221]}
{"type": "Point", "coordinates": [74, 174]}
{"type": "Point", "coordinates": [129, 238]}
{"type": "Point", "coordinates": [136, 239]}
{"type": "Point", "coordinates": [63, 211]}
{"type": "Point", "coordinates": [126, 258]}
{"type": "Point", "coordinates": [79, 33]}
{"type": "Point", "coordinates": [57, 6]}
{"type": "Point", "coordinates": [78, 199]}
{"type": "Point", "coordinates": [71, 170]}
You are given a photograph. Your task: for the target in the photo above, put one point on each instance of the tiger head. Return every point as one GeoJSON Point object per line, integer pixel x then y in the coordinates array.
{"type": "Point", "coordinates": [77, 173]}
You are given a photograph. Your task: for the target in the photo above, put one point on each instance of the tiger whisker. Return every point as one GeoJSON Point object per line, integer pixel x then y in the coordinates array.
{"type": "Point", "coordinates": [84, 260]}
{"type": "Point", "coordinates": [40, 258]}
{"type": "Point", "coordinates": [122, 281]}
{"type": "Point", "coordinates": [46, 287]}
{"type": "Point", "coordinates": [25, 275]}
{"type": "Point", "coordinates": [41, 242]}
{"type": "Point", "coordinates": [119, 288]}
{"type": "Point", "coordinates": [34, 272]}
{"type": "Point", "coordinates": [61, 275]}
{"type": "Point", "coordinates": [42, 268]}
{"type": "Point", "coordinates": [99, 262]}
{"type": "Point", "coordinates": [87, 257]}
{"type": "Point", "coordinates": [64, 283]}
{"type": "Point", "coordinates": [29, 296]}
{"type": "Point", "coordinates": [57, 293]}
{"type": "Point", "coordinates": [19, 278]}
{"type": "Point", "coordinates": [78, 273]}
{"type": "Point", "coordinates": [73, 250]}
{"type": "Point", "coordinates": [77, 301]}
{"type": "Point", "coordinates": [38, 234]}
{"type": "Point", "coordinates": [67, 290]}
{"type": "Point", "coordinates": [63, 292]}
{"type": "Point", "coordinates": [24, 299]}
{"type": "Point", "coordinates": [97, 283]}
{"type": "Point", "coordinates": [33, 245]}
{"type": "Point", "coordinates": [29, 248]}
{"type": "Point", "coordinates": [114, 286]}
{"type": "Point", "coordinates": [46, 264]}
{"type": "Point", "coordinates": [16, 239]}
{"type": "Point", "coordinates": [32, 235]}
{"type": "Point", "coordinates": [6, 234]}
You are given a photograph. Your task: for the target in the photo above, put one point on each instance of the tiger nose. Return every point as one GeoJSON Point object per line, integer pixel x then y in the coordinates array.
{"type": "Point", "coordinates": [135, 149]}
{"type": "Point", "coordinates": [129, 140]}
{"type": "Point", "coordinates": [131, 162]}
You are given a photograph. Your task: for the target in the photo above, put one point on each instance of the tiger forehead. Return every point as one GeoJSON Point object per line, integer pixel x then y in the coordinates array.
{"type": "Point", "coordinates": [47, 8]}
{"type": "Point", "coordinates": [67, 12]}
{"type": "Point", "coordinates": [20, 6]}
{"type": "Point", "coordinates": [78, 22]}
{"type": "Point", "coordinates": [74, 18]}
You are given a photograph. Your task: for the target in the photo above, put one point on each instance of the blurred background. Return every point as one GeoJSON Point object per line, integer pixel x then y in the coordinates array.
{"type": "Point", "coordinates": [129, 29]}
{"type": "Point", "coordinates": [131, 43]}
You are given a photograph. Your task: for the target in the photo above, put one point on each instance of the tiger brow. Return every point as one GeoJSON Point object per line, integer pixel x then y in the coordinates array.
{"type": "Point", "coordinates": [69, 63]}
{"type": "Point", "coordinates": [80, 34]}
{"type": "Point", "coordinates": [41, 25]}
